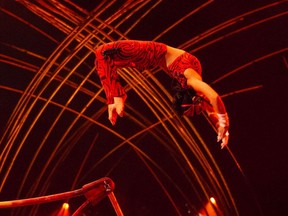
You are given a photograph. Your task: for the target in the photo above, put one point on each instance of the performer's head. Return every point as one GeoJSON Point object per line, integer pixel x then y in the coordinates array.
{"type": "Point", "coordinates": [184, 98]}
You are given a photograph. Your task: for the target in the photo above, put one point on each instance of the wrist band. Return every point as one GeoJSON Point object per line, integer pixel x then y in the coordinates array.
{"type": "Point", "coordinates": [223, 119]}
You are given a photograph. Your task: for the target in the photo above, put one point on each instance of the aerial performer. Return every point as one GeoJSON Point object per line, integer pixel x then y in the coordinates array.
{"type": "Point", "coordinates": [192, 95]}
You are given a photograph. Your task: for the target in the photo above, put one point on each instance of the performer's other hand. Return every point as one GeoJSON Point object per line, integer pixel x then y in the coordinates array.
{"type": "Point", "coordinates": [223, 135]}
{"type": "Point", "coordinates": [115, 109]}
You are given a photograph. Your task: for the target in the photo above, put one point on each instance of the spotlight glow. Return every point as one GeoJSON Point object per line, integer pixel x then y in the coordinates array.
{"type": "Point", "coordinates": [65, 206]}
{"type": "Point", "coordinates": [213, 201]}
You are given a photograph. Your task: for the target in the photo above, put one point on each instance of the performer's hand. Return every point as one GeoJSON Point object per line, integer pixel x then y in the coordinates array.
{"type": "Point", "coordinates": [115, 109]}
{"type": "Point", "coordinates": [223, 135]}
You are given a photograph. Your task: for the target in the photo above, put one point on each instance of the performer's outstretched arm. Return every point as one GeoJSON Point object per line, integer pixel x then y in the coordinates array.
{"type": "Point", "coordinates": [194, 81]}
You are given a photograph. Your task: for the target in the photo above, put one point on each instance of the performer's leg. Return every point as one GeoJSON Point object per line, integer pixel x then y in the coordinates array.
{"type": "Point", "coordinates": [107, 72]}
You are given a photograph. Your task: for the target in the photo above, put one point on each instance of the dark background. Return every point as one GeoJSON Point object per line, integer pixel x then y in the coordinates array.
{"type": "Point", "coordinates": [258, 117]}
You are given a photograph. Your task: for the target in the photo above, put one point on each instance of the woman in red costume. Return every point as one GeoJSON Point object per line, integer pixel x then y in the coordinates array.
{"type": "Point", "coordinates": [180, 65]}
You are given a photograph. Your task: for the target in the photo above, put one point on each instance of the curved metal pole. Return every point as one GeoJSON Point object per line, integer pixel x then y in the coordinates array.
{"type": "Point", "coordinates": [42, 199]}
{"type": "Point", "coordinates": [94, 193]}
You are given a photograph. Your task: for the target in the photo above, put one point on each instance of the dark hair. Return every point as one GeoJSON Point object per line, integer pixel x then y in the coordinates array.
{"type": "Point", "coordinates": [183, 96]}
